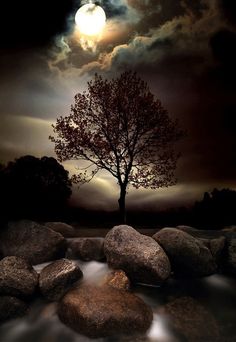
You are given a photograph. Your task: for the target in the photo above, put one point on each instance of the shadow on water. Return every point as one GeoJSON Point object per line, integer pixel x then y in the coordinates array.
{"type": "Point", "coordinates": [216, 293]}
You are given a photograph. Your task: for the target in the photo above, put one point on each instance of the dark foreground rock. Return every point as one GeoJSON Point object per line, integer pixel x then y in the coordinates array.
{"type": "Point", "coordinates": [188, 255]}
{"type": "Point", "coordinates": [104, 311]}
{"type": "Point", "coordinates": [56, 278]}
{"type": "Point", "coordinates": [17, 277]}
{"type": "Point", "coordinates": [86, 249]}
{"type": "Point", "coordinates": [11, 307]}
{"type": "Point", "coordinates": [142, 259]}
{"type": "Point", "coordinates": [64, 229]}
{"type": "Point", "coordinates": [229, 262]}
{"type": "Point", "coordinates": [118, 279]}
{"type": "Point", "coordinates": [191, 320]}
{"type": "Point", "coordinates": [216, 246]}
{"type": "Point", "coordinates": [187, 229]}
{"type": "Point", "coordinates": [30, 240]}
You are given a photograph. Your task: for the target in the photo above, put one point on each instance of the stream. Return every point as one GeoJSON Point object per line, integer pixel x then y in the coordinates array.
{"type": "Point", "coordinates": [216, 293]}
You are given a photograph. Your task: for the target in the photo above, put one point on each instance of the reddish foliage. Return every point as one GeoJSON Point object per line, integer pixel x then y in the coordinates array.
{"type": "Point", "coordinates": [119, 126]}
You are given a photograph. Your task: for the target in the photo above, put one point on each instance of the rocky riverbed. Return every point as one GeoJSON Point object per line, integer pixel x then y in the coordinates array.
{"type": "Point", "coordinates": [177, 285]}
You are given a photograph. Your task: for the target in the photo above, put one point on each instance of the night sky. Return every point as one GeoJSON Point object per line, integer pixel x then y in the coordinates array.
{"type": "Point", "coordinates": [185, 50]}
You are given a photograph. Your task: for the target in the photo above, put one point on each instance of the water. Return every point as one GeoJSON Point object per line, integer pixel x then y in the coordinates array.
{"type": "Point", "coordinates": [216, 293]}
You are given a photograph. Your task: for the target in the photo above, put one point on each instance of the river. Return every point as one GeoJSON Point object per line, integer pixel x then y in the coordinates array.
{"type": "Point", "coordinates": [216, 293]}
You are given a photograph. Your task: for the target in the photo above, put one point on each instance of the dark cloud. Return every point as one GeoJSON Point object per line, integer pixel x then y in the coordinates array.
{"type": "Point", "coordinates": [113, 8]}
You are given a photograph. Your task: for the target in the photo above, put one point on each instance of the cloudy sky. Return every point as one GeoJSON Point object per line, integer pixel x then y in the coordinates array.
{"type": "Point", "coordinates": [185, 50]}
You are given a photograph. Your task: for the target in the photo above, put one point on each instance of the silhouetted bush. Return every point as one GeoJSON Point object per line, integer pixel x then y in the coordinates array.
{"type": "Point", "coordinates": [33, 187]}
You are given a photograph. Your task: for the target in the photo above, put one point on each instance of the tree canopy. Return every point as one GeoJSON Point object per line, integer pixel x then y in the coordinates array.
{"type": "Point", "coordinates": [119, 126]}
{"type": "Point", "coordinates": [31, 185]}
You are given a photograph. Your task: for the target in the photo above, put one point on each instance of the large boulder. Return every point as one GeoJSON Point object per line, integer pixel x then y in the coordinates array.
{"type": "Point", "coordinates": [30, 240]}
{"type": "Point", "coordinates": [86, 249]}
{"type": "Point", "coordinates": [17, 277]}
{"type": "Point", "coordinates": [104, 311]}
{"type": "Point", "coordinates": [64, 229]}
{"type": "Point", "coordinates": [142, 259]}
{"type": "Point", "coordinates": [11, 307]}
{"type": "Point", "coordinates": [188, 255]}
{"type": "Point", "coordinates": [190, 320]}
{"type": "Point", "coordinates": [56, 278]}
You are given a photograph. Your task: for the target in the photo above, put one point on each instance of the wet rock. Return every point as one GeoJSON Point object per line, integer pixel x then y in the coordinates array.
{"type": "Point", "coordinates": [142, 259]}
{"type": "Point", "coordinates": [230, 229]}
{"type": "Point", "coordinates": [86, 249]}
{"type": "Point", "coordinates": [216, 247]}
{"type": "Point", "coordinates": [229, 262]}
{"type": "Point", "coordinates": [30, 240]}
{"type": "Point", "coordinates": [118, 279]}
{"type": "Point", "coordinates": [11, 307]}
{"type": "Point", "coordinates": [191, 320]}
{"type": "Point", "coordinates": [187, 229]}
{"type": "Point", "coordinates": [64, 229]}
{"type": "Point", "coordinates": [188, 255]}
{"type": "Point", "coordinates": [104, 311]}
{"type": "Point", "coordinates": [17, 277]}
{"type": "Point", "coordinates": [56, 278]}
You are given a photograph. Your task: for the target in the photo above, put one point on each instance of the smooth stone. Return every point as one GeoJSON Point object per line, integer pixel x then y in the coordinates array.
{"type": "Point", "coordinates": [56, 278]}
{"type": "Point", "coordinates": [104, 311]}
{"type": "Point", "coordinates": [139, 256]}
{"type": "Point", "coordinates": [63, 228]}
{"type": "Point", "coordinates": [229, 262]}
{"type": "Point", "coordinates": [11, 308]}
{"type": "Point", "coordinates": [188, 255]}
{"type": "Point", "coordinates": [190, 320]}
{"type": "Point", "coordinates": [17, 277]}
{"type": "Point", "coordinates": [32, 241]}
{"type": "Point", "coordinates": [86, 249]}
{"type": "Point", "coordinates": [187, 229]}
{"type": "Point", "coordinates": [118, 279]}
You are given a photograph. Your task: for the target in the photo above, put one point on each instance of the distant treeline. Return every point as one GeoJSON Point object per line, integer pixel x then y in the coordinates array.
{"type": "Point", "coordinates": [33, 188]}
{"type": "Point", "coordinates": [39, 189]}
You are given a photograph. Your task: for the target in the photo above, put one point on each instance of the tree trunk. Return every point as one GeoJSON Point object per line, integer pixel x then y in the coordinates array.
{"type": "Point", "coordinates": [121, 202]}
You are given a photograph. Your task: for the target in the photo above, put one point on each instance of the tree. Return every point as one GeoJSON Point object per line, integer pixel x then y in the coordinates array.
{"type": "Point", "coordinates": [33, 186]}
{"type": "Point", "coordinates": [117, 125]}
{"type": "Point", "coordinates": [217, 208]}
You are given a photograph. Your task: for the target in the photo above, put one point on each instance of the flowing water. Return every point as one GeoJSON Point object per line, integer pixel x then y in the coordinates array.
{"type": "Point", "coordinates": [216, 293]}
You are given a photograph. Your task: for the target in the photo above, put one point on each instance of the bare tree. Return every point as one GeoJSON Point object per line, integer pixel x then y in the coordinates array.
{"type": "Point", "coordinates": [117, 125]}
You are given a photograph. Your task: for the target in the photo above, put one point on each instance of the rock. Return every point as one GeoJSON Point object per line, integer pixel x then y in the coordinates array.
{"type": "Point", "coordinates": [104, 311]}
{"type": "Point", "coordinates": [229, 262]}
{"type": "Point", "coordinates": [230, 229]}
{"type": "Point", "coordinates": [56, 278]}
{"type": "Point", "coordinates": [86, 249]}
{"type": "Point", "coordinates": [17, 277]}
{"type": "Point", "coordinates": [11, 307]}
{"type": "Point", "coordinates": [64, 229]}
{"type": "Point", "coordinates": [216, 247]}
{"type": "Point", "coordinates": [30, 240]}
{"type": "Point", "coordinates": [191, 320]}
{"type": "Point", "coordinates": [139, 256]}
{"type": "Point", "coordinates": [188, 255]}
{"type": "Point", "coordinates": [187, 229]}
{"type": "Point", "coordinates": [118, 279]}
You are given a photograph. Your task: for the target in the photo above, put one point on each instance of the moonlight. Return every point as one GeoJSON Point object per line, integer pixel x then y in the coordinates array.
{"type": "Point", "coordinates": [90, 19]}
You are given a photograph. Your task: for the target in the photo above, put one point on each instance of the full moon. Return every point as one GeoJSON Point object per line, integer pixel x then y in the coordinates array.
{"type": "Point", "coordinates": [90, 19]}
